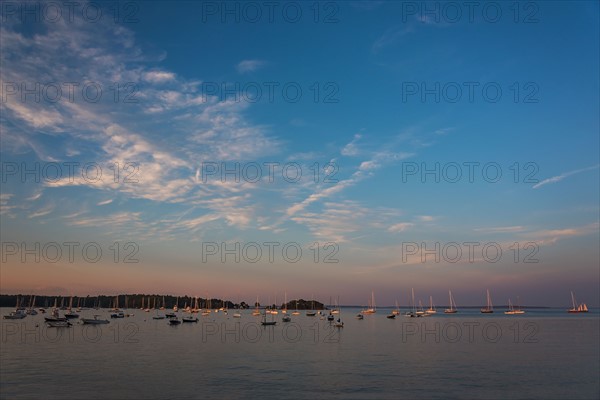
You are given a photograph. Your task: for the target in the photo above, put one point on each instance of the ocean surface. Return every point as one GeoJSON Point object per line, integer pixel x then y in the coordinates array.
{"type": "Point", "coordinates": [543, 354]}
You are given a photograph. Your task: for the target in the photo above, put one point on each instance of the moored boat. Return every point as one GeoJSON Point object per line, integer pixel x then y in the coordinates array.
{"type": "Point", "coordinates": [489, 308]}
{"type": "Point", "coordinates": [452, 309]}
{"type": "Point", "coordinates": [94, 321]}
{"type": "Point", "coordinates": [58, 324]}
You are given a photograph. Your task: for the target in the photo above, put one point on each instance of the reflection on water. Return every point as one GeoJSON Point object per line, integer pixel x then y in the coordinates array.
{"type": "Point", "coordinates": [542, 354]}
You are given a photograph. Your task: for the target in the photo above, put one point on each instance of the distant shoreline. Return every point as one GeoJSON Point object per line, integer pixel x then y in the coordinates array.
{"type": "Point", "coordinates": [9, 300]}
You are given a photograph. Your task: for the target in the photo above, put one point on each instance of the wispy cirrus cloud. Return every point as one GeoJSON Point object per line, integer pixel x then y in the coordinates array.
{"type": "Point", "coordinates": [168, 131]}
{"type": "Point", "coordinates": [401, 227]}
{"type": "Point", "coordinates": [41, 212]}
{"type": "Point", "coordinates": [391, 36]}
{"type": "Point", "coordinates": [501, 229]}
{"type": "Point", "coordinates": [551, 236]}
{"type": "Point", "coordinates": [564, 175]}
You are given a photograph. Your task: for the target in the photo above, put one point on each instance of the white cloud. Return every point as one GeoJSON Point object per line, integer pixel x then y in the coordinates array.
{"type": "Point", "coordinates": [250, 65]}
{"type": "Point", "coordinates": [501, 229]}
{"type": "Point", "coordinates": [41, 213]}
{"type": "Point", "coordinates": [351, 149]}
{"type": "Point", "coordinates": [159, 76]}
{"type": "Point", "coordinates": [400, 227]}
{"type": "Point", "coordinates": [562, 176]}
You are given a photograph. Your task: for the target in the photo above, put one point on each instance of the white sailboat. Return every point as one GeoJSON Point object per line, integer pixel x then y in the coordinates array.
{"type": "Point", "coordinates": [518, 309]}
{"type": "Point", "coordinates": [256, 311]}
{"type": "Point", "coordinates": [372, 308]}
{"type": "Point", "coordinates": [296, 312]}
{"type": "Point", "coordinates": [339, 323]}
{"type": "Point", "coordinates": [489, 308]}
{"type": "Point", "coordinates": [413, 312]}
{"type": "Point", "coordinates": [397, 310]}
{"type": "Point", "coordinates": [420, 311]}
{"type": "Point", "coordinates": [431, 309]}
{"type": "Point", "coordinates": [264, 321]}
{"type": "Point", "coordinates": [511, 309]}
{"type": "Point", "coordinates": [452, 309]}
{"type": "Point", "coordinates": [312, 311]}
{"type": "Point", "coordinates": [577, 308]}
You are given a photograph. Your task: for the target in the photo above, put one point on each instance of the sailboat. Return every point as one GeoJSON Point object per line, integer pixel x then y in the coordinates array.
{"type": "Point", "coordinates": [452, 309]}
{"type": "Point", "coordinates": [296, 312]}
{"type": "Point", "coordinates": [339, 323]}
{"type": "Point", "coordinates": [71, 314]}
{"type": "Point", "coordinates": [372, 309]}
{"type": "Point", "coordinates": [58, 324]}
{"type": "Point", "coordinates": [196, 308]}
{"type": "Point", "coordinates": [285, 305]}
{"type": "Point", "coordinates": [420, 311]}
{"type": "Point", "coordinates": [413, 313]}
{"type": "Point", "coordinates": [94, 321]}
{"type": "Point", "coordinates": [330, 317]}
{"type": "Point", "coordinates": [256, 311]}
{"type": "Point", "coordinates": [431, 309]}
{"type": "Point", "coordinates": [31, 310]}
{"type": "Point", "coordinates": [336, 307]}
{"type": "Point", "coordinates": [19, 313]}
{"type": "Point", "coordinates": [397, 310]}
{"type": "Point", "coordinates": [488, 309]}
{"type": "Point", "coordinates": [55, 315]}
{"type": "Point", "coordinates": [577, 308]}
{"type": "Point", "coordinates": [264, 321]}
{"type": "Point", "coordinates": [190, 319]}
{"type": "Point", "coordinates": [157, 316]}
{"type": "Point", "coordinates": [511, 309]}
{"type": "Point", "coordinates": [518, 309]}
{"type": "Point", "coordinates": [274, 310]}
{"type": "Point", "coordinates": [312, 311]}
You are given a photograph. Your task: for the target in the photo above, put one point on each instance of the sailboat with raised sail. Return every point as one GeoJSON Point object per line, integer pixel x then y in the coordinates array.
{"type": "Point", "coordinates": [413, 312]}
{"type": "Point", "coordinates": [577, 308]}
{"type": "Point", "coordinates": [264, 321]}
{"type": "Point", "coordinates": [396, 311]}
{"type": "Point", "coordinates": [339, 323]}
{"type": "Point", "coordinates": [372, 309]}
{"type": "Point", "coordinates": [296, 312]}
{"type": "Point", "coordinates": [286, 317]}
{"type": "Point", "coordinates": [431, 309]}
{"type": "Point", "coordinates": [452, 309]}
{"type": "Point", "coordinates": [285, 304]}
{"type": "Point", "coordinates": [512, 310]}
{"type": "Point", "coordinates": [256, 311]}
{"type": "Point", "coordinates": [312, 311]}
{"type": "Point", "coordinates": [489, 308]}
{"type": "Point", "coordinates": [518, 309]}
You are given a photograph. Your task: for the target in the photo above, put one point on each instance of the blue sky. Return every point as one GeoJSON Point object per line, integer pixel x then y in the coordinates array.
{"type": "Point", "coordinates": [365, 123]}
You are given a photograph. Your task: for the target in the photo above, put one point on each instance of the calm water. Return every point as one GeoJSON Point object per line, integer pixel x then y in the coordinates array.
{"type": "Point", "coordinates": [543, 354]}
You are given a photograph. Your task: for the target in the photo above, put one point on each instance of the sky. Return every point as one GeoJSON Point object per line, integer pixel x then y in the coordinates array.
{"type": "Point", "coordinates": [303, 148]}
